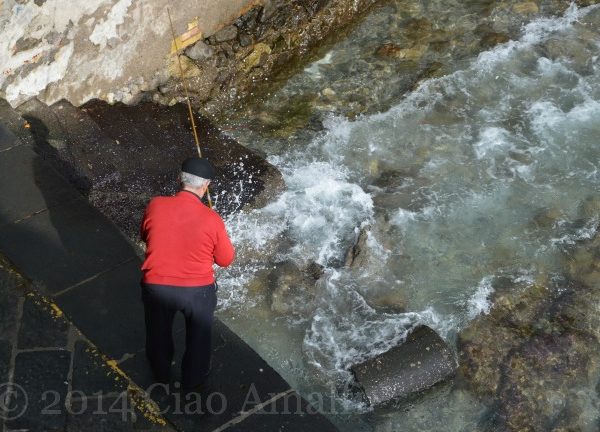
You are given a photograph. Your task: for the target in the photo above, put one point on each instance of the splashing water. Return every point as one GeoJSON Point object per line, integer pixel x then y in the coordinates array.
{"type": "Point", "coordinates": [482, 173]}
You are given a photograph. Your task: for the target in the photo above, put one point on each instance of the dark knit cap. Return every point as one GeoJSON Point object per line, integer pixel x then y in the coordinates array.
{"type": "Point", "coordinates": [199, 167]}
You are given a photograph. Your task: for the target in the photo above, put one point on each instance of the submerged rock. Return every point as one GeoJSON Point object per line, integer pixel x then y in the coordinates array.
{"type": "Point", "coordinates": [356, 256]}
{"type": "Point", "coordinates": [397, 52]}
{"type": "Point", "coordinates": [392, 301]}
{"type": "Point", "coordinates": [291, 289]}
{"type": "Point", "coordinates": [526, 8]}
{"type": "Point", "coordinates": [538, 350]}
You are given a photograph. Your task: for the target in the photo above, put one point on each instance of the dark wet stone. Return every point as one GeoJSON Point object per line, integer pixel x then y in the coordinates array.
{"type": "Point", "coordinates": [225, 34]}
{"type": "Point", "coordinates": [388, 301]}
{"type": "Point", "coordinates": [91, 375]}
{"type": "Point", "coordinates": [314, 270]}
{"type": "Point", "coordinates": [417, 364]}
{"type": "Point", "coordinates": [313, 6]}
{"type": "Point", "coordinates": [248, 21]}
{"type": "Point", "coordinates": [268, 10]}
{"type": "Point", "coordinates": [540, 382]}
{"type": "Point", "coordinates": [200, 51]}
{"type": "Point", "coordinates": [108, 310]}
{"type": "Point", "coordinates": [65, 245]}
{"type": "Point", "coordinates": [243, 178]}
{"type": "Point", "coordinates": [245, 40]}
{"type": "Point", "coordinates": [289, 413]}
{"type": "Point", "coordinates": [41, 327]}
{"type": "Point", "coordinates": [357, 255]}
{"type": "Point", "coordinates": [290, 289]}
{"type": "Point", "coordinates": [492, 39]}
{"type": "Point", "coordinates": [43, 377]}
{"type": "Point", "coordinates": [39, 185]}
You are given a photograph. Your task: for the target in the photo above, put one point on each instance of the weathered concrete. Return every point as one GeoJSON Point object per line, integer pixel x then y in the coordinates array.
{"type": "Point", "coordinates": [96, 48]}
{"type": "Point", "coordinates": [120, 50]}
{"type": "Point", "coordinates": [422, 361]}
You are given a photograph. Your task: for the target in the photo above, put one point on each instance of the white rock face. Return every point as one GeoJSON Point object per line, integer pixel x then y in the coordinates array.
{"type": "Point", "coordinates": [109, 49]}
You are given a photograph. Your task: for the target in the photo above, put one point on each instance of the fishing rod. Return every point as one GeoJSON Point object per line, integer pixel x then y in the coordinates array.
{"type": "Point", "coordinates": [187, 97]}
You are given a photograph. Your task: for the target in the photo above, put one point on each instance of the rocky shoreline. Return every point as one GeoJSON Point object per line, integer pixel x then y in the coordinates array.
{"type": "Point", "coordinates": [536, 357]}
{"type": "Point", "coordinates": [268, 41]}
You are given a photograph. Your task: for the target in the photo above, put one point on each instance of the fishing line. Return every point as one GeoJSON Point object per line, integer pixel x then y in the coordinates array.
{"type": "Point", "coordinates": [187, 97]}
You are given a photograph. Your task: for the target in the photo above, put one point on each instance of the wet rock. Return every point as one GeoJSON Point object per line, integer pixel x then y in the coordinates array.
{"type": "Point", "coordinates": [248, 21]}
{"type": "Point", "coordinates": [257, 57]}
{"type": "Point", "coordinates": [547, 217]}
{"type": "Point", "coordinates": [388, 302]}
{"type": "Point", "coordinates": [313, 6]}
{"type": "Point", "coordinates": [583, 264]}
{"type": "Point", "coordinates": [357, 255]}
{"type": "Point", "coordinates": [268, 10]}
{"type": "Point", "coordinates": [245, 40]}
{"type": "Point", "coordinates": [314, 270]}
{"type": "Point", "coordinates": [394, 51]}
{"type": "Point", "coordinates": [189, 68]}
{"type": "Point", "coordinates": [290, 290]}
{"type": "Point", "coordinates": [542, 377]}
{"type": "Point", "coordinates": [225, 34]}
{"type": "Point", "coordinates": [526, 8]}
{"type": "Point", "coordinates": [418, 29]}
{"type": "Point", "coordinates": [417, 364]}
{"type": "Point", "coordinates": [492, 39]}
{"type": "Point", "coordinates": [590, 208]}
{"type": "Point", "coordinates": [200, 51]}
{"type": "Point", "coordinates": [538, 350]}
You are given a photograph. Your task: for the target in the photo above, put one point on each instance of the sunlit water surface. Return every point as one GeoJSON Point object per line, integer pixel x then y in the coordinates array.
{"type": "Point", "coordinates": [453, 181]}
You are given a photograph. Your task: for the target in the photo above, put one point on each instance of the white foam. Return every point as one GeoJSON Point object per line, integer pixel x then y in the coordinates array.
{"type": "Point", "coordinates": [492, 140]}
{"type": "Point", "coordinates": [479, 303]}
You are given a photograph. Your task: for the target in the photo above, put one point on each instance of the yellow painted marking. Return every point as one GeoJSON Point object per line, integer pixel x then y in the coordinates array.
{"type": "Point", "coordinates": [191, 36]}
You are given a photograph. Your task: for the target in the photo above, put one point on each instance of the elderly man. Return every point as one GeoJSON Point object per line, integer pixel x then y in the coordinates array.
{"type": "Point", "coordinates": [184, 238]}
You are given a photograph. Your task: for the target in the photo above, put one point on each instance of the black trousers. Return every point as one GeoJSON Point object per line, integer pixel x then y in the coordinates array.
{"type": "Point", "coordinates": [197, 304]}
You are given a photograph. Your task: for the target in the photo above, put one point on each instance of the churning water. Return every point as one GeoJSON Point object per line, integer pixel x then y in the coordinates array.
{"type": "Point", "coordinates": [479, 174]}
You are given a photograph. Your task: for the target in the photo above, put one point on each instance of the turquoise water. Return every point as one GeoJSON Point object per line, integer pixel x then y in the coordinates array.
{"type": "Point", "coordinates": [480, 173]}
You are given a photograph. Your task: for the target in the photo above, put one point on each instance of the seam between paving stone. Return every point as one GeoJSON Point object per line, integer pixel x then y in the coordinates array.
{"type": "Point", "coordinates": [243, 416]}
{"type": "Point", "coordinates": [71, 337]}
{"type": "Point", "coordinates": [146, 406]}
{"type": "Point", "coordinates": [13, 147]}
{"type": "Point", "coordinates": [43, 210]}
{"type": "Point", "coordinates": [91, 278]}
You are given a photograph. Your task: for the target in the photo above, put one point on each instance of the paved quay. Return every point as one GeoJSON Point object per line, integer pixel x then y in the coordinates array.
{"type": "Point", "coordinates": [72, 328]}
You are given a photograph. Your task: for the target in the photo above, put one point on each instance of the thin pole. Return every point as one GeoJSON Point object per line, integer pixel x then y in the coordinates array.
{"type": "Point", "coordinates": [187, 97]}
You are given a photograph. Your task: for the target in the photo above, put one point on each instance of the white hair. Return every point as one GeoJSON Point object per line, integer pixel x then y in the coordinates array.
{"type": "Point", "coordinates": [192, 180]}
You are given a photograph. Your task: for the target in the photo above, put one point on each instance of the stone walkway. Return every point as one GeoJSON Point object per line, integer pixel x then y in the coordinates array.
{"type": "Point", "coordinates": [72, 325]}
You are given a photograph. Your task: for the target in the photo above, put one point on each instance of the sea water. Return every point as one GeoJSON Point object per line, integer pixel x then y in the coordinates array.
{"type": "Point", "coordinates": [447, 180]}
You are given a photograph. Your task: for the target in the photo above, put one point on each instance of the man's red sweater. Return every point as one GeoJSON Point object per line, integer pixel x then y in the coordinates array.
{"type": "Point", "coordinates": [183, 239]}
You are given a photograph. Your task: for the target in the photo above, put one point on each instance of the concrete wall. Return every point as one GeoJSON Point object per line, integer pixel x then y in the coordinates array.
{"type": "Point", "coordinates": [120, 50]}
{"type": "Point", "coordinates": [95, 48]}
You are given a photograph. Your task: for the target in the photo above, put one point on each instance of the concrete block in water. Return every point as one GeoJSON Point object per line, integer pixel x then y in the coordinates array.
{"type": "Point", "coordinates": [423, 360]}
